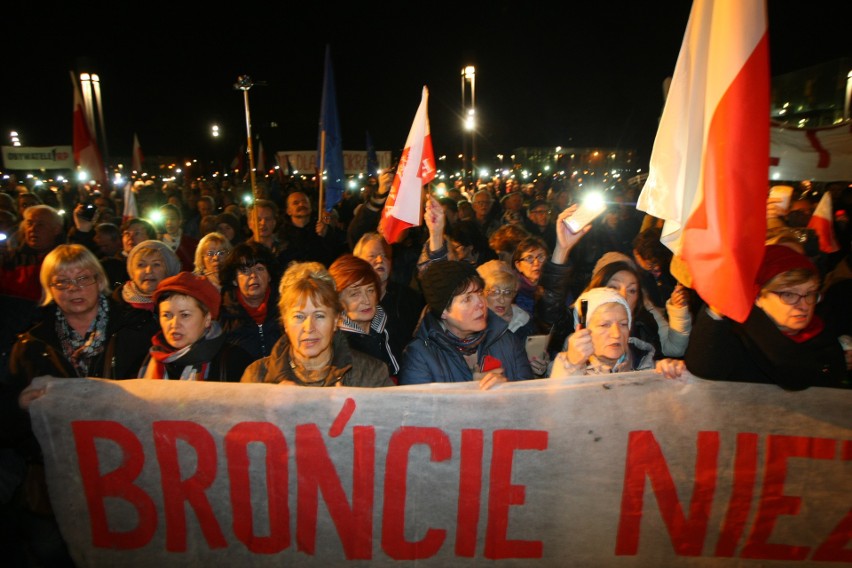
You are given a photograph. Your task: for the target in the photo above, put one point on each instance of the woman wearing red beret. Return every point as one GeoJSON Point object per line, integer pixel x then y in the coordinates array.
{"type": "Point", "coordinates": [190, 345]}
{"type": "Point", "coordinates": [781, 342]}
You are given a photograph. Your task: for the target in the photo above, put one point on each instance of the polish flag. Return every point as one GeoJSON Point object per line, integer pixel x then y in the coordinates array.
{"type": "Point", "coordinates": [416, 168]}
{"type": "Point", "coordinates": [131, 211]}
{"type": "Point", "coordinates": [708, 176]}
{"type": "Point", "coordinates": [87, 157]}
{"type": "Point", "coordinates": [822, 221]}
{"type": "Point", "coordinates": [138, 158]}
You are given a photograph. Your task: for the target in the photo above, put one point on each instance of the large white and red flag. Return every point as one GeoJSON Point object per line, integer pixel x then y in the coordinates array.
{"type": "Point", "coordinates": [87, 156]}
{"type": "Point", "coordinates": [708, 176]}
{"type": "Point", "coordinates": [138, 158]}
{"type": "Point", "coordinates": [822, 221]}
{"type": "Point", "coordinates": [416, 169]}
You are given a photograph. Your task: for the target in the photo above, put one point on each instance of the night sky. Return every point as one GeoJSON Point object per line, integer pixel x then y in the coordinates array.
{"type": "Point", "coordinates": [578, 74]}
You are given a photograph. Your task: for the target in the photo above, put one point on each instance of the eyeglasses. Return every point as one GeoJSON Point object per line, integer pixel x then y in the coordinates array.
{"type": "Point", "coordinates": [494, 292]}
{"type": "Point", "coordinates": [529, 259]}
{"type": "Point", "coordinates": [792, 298]}
{"type": "Point", "coordinates": [215, 253]}
{"type": "Point", "coordinates": [248, 270]}
{"type": "Point", "coordinates": [79, 282]}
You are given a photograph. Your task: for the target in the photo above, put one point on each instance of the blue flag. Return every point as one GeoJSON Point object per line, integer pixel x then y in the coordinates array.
{"type": "Point", "coordinates": [332, 155]}
{"type": "Point", "coordinates": [372, 159]}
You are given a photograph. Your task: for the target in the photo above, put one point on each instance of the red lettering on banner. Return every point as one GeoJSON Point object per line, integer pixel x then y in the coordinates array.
{"type": "Point", "coordinates": [645, 459]}
{"type": "Point", "coordinates": [742, 493]}
{"type": "Point", "coordinates": [277, 485]}
{"type": "Point", "coordinates": [177, 491]}
{"type": "Point", "coordinates": [503, 494]}
{"type": "Point", "coordinates": [470, 491]}
{"type": "Point", "coordinates": [773, 502]}
{"type": "Point", "coordinates": [316, 473]}
{"type": "Point", "coordinates": [834, 547]}
{"type": "Point", "coordinates": [117, 484]}
{"type": "Point", "coordinates": [396, 482]}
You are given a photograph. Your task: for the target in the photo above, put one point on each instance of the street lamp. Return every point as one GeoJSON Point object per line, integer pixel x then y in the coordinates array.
{"type": "Point", "coordinates": [244, 83]}
{"type": "Point", "coordinates": [468, 75]}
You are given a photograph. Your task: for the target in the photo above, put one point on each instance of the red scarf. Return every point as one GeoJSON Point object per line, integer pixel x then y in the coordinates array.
{"type": "Point", "coordinates": [162, 353]}
{"type": "Point", "coordinates": [814, 328]}
{"type": "Point", "coordinates": [258, 314]}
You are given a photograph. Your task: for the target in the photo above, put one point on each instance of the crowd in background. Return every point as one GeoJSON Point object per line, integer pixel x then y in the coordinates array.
{"type": "Point", "coordinates": [493, 286]}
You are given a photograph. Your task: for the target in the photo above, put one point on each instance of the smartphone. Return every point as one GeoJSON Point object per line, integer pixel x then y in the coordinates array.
{"type": "Point", "coordinates": [585, 214]}
{"type": "Point", "coordinates": [784, 193]}
{"type": "Point", "coordinates": [536, 345]}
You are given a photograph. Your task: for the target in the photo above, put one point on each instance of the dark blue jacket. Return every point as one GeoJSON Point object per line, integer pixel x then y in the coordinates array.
{"type": "Point", "coordinates": [431, 358]}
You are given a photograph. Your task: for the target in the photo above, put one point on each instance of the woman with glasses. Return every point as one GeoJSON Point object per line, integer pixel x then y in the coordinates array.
{"type": "Point", "coordinates": [209, 256]}
{"type": "Point", "coordinates": [249, 315]}
{"type": "Point", "coordinates": [501, 286]}
{"type": "Point", "coordinates": [83, 332]}
{"type": "Point", "coordinates": [529, 260]}
{"type": "Point", "coordinates": [781, 342]}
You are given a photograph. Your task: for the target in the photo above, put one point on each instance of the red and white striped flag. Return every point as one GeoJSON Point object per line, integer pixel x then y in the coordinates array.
{"type": "Point", "coordinates": [87, 156]}
{"type": "Point", "coordinates": [708, 177]}
{"type": "Point", "coordinates": [131, 211]}
{"type": "Point", "coordinates": [822, 221]}
{"type": "Point", "coordinates": [416, 169]}
{"type": "Point", "coordinates": [138, 158]}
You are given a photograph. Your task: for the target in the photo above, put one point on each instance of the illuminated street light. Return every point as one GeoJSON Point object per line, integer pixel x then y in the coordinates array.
{"type": "Point", "coordinates": [468, 75]}
{"type": "Point", "coordinates": [214, 131]}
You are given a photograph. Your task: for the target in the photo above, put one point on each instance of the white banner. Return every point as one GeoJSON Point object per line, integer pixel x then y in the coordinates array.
{"type": "Point", "coordinates": [305, 162]}
{"type": "Point", "coordinates": [628, 470]}
{"type": "Point", "coordinates": [38, 158]}
{"type": "Point", "coordinates": [817, 154]}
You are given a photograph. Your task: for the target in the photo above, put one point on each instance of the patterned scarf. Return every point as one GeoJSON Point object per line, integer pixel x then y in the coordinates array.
{"type": "Point", "coordinates": [77, 349]}
{"type": "Point", "coordinates": [465, 346]}
{"type": "Point", "coordinates": [133, 296]}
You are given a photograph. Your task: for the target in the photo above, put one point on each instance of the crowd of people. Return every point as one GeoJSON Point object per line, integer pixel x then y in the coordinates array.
{"type": "Point", "coordinates": [492, 287]}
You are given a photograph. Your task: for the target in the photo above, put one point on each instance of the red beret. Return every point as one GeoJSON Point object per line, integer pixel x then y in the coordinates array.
{"type": "Point", "coordinates": [778, 259]}
{"type": "Point", "coordinates": [194, 286]}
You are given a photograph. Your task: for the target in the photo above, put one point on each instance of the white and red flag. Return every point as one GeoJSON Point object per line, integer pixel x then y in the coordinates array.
{"type": "Point", "coordinates": [87, 156]}
{"type": "Point", "coordinates": [138, 158]}
{"type": "Point", "coordinates": [708, 176]}
{"type": "Point", "coordinates": [416, 168]}
{"type": "Point", "coordinates": [131, 211]}
{"type": "Point", "coordinates": [822, 222]}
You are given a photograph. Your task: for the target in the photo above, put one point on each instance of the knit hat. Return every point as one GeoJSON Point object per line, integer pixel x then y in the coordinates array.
{"type": "Point", "coordinates": [780, 258]}
{"type": "Point", "coordinates": [192, 285]}
{"type": "Point", "coordinates": [598, 297]}
{"type": "Point", "coordinates": [169, 256]}
{"type": "Point", "coordinates": [440, 280]}
{"type": "Point", "coordinates": [610, 257]}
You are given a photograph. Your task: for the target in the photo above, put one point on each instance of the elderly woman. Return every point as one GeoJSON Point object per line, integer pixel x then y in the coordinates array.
{"type": "Point", "coordinates": [82, 332]}
{"type": "Point", "coordinates": [362, 319]}
{"type": "Point", "coordinates": [781, 342]}
{"type": "Point", "coordinates": [459, 338]}
{"type": "Point", "coordinates": [250, 316]}
{"type": "Point", "coordinates": [501, 286]}
{"type": "Point", "coordinates": [190, 345]}
{"type": "Point", "coordinates": [601, 342]}
{"type": "Point", "coordinates": [212, 250]}
{"type": "Point", "coordinates": [312, 352]}
{"type": "Point", "coordinates": [148, 263]}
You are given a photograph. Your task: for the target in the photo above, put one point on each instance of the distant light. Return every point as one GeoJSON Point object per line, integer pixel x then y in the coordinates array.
{"type": "Point", "coordinates": [82, 176]}
{"type": "Point", "coordinates": [247, 199]}
{"type": "Point", "coordinates": [469, 72]}
{"type": "Point", "coordinates": [85, 77]}
{"type": "Point", "coordinates": [155, 216]}
{"type": "Point", "coordinates": [483, 173]}
{"type": "Point", "coordinates": [61, 211]}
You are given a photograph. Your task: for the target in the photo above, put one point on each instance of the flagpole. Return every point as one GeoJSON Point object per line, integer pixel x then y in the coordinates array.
{"type": "Point", "coordinates": [244, 83]}
{"type": "Point", "coordinates": [321, 169]}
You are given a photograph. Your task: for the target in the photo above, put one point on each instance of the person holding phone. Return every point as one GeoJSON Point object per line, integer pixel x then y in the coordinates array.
{"type": "Point", "coordinates": [601, 342]}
